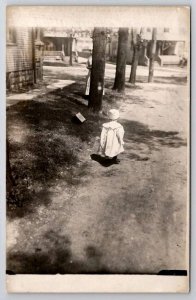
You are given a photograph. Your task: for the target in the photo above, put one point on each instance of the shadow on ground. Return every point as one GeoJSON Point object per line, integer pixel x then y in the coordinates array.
{"type": "Point", "coordinates": [164, 80]}
{"type": "Point", "coordinates": [105, 162]}
{"type": "Point", "coordinates": [59, 261]}
{"type": "Point", "coordinates": [50, 151]}
{"type": "Point", "coordinates": [136, 133]}
{"type": "Point", "coordinates": [54, 256]}
{"type": "Point", "coordinates": [64, 75]}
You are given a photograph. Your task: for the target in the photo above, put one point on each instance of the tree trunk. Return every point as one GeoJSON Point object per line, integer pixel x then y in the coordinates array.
{"type": "Point", "coordinates": [135, 59]}
{"type": "Point", "coordinates": [98, 69]}
{"type": "Point", "coordinates": [152, 55]}
{"type": "Point", "coordinates": [134, 64]}
{"type": "Point", "coordinates": [119, 83]}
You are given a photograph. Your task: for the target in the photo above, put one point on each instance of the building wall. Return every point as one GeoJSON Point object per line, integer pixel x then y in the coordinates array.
{"type": "Point", "coordinates": [19, 58]}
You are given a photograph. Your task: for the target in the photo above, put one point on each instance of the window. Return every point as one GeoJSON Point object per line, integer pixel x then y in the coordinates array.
{"type": "Point", "coordinates": [11, 36]}
{"type": "Point", "coordinates": [148, 29]}
{"type": "Point", "coordinates": [166, 29]}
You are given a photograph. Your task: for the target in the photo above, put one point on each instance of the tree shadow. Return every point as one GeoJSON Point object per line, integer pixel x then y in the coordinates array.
{"type": "Point", "coordinates": [136, 132]}
{"type": "Point", "coordinates": [133, 86]}
{"type": "Point", "coordinates": [54, 256]}
{"type": "Point", "coordinates": [164, 80]}
{"type": "Point", "coordinates": [56, 259]}
{"type": "Point", "coordinates": [64, 75]}
{"type": "Point", "coordinates": [174, 80]}
{"type": "Point", "coordinates": [136, 157]}
{"type": "Point", "coordinates": [51, 149]}
{"type": "Point", "coordinates": [24, 201]}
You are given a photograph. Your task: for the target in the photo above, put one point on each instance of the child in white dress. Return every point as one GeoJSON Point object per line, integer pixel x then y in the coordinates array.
{"type": "Point", "coordinates": [111, 142]}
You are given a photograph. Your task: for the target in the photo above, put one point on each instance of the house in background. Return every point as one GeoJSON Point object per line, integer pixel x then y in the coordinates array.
{"type": "Point", "coordinates": [23, 58]}
{"type": "Point", "coordinates": [63, 45]}
{"type": "Point", "coordinates": [60, 46]}
{"type": "Point", "coordinates": [28, 48]}
{"type": "Point", "coordinates": [171, 46]}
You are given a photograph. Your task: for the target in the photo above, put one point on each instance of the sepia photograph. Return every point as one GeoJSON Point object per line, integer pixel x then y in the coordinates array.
{"type": "Point", "coordinates": [97, 148]}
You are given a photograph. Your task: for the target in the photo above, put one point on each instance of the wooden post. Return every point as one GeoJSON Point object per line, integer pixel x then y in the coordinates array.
{"type": "Point", "coordinates": [71, 57]}
{"type": "Point", "coordinates": [152, 55]}
{"type": "Point", "coordinates": [34, 56]}
{"type": "Point", "coordinates": [39, 45]}
{"type": "Point", "coordinates": [159, 48]}
{"type": "Point", "coordinates": [98, 69]}
{"type": "Point", "coordinates": [119, 83]}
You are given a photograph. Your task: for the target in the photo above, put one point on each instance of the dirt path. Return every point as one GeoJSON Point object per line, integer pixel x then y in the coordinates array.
{"type": "Point", "coordinates": [126, 218]}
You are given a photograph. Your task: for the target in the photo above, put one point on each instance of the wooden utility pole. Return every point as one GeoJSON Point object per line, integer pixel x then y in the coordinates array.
{"type": "Point", "coordinates": [136, 52]}
{"type": "Point", "coordinates": [152, 54]}
{"type": "Point", "coordinates": [98, 69]}
{"type": "Point", "coordinates": [119, 83]}
{"type": "Point", "coordinates": [38, 55]}
{"type": "Point", "coordinates": [34, 56]}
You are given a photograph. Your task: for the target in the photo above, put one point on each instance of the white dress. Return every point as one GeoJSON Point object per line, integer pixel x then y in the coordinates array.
{"type": "Point", "coordinates": [88, 77]}
{"type": "Point", "coordinates": [111, 142]}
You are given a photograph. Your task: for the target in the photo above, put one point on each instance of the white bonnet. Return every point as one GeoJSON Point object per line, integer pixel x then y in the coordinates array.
{"type": "Point", "coordinates": [113, 114]}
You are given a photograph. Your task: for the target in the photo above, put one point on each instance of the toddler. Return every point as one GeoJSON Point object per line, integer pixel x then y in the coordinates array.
{"type": "Point", "coordinates": [111, 142]}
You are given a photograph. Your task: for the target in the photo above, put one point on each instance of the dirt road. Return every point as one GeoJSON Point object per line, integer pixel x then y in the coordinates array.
{"type": "Point", "coordinates": [126, 218]}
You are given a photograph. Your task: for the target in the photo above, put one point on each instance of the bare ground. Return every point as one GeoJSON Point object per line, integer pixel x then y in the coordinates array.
{"type": "Point", "coordinates": [77, 216]}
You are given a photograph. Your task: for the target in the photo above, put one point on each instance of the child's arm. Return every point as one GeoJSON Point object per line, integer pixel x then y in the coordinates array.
{"type": "Point", "coordinates": [89, 63]}
{"type": "Point", "coordinates": [120, 135]}
{"type": "Point", "coordinates": [102, 139]}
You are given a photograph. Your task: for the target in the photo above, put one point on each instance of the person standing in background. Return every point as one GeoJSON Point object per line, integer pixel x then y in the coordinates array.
{"type": "Point", "coordinates": [88, 77]}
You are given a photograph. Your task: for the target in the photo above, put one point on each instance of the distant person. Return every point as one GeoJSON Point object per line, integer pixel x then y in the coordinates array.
{"type": "Point", "coordinates": [76, 56]}
{"type": "Point", "coordinates": [111, 142]}
{"type": "Point", "coordinates": [88, 77]}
